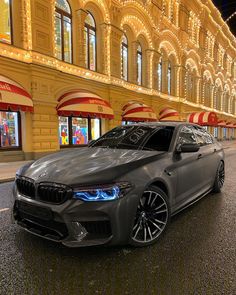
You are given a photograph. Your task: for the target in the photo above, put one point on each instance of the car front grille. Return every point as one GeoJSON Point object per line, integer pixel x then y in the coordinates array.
{"type": "Point", "coordinates": [45, 192]}
{"type": "Point", "coordinates": [26, 187]}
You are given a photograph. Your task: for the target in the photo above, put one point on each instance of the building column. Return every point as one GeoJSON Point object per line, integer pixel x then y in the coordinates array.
{"type": "Point", "coordinates": [182, 82]}
{"type": "Point", "coordinates": [103, 52]}
{"type": "Point", "coordinates": [154, 74]}
{"type": "Point", "coordinates": [115, 51]}
{"type": "Point", "coordinates": [80, 45]}
{"type": "Point", "coordinates": [133, 68]}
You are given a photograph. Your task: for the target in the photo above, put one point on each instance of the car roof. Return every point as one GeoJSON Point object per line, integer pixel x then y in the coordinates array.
{"type": "Point", "coordinates": [165, 123]}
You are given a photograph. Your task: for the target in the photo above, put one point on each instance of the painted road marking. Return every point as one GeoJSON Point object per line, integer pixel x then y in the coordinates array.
{"type": "Point", "coordinates": [4, 209]}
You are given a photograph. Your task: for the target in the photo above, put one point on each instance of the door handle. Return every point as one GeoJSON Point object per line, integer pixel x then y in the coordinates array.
{"type": "Point", "coordinates": [199, 156]}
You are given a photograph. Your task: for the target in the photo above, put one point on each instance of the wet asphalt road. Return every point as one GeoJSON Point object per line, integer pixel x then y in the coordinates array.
{"type": "Point", "coordinates": [197, 255]}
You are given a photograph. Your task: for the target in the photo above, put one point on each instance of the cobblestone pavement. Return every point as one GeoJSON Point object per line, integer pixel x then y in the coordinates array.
{"type": "Point", "coordinates": [197, 255]}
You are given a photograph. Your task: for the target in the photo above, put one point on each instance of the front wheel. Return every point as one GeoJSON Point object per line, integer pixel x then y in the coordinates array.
{"type": "Point", "coordinates": [220, 178]}
{"type": "Point", "coordinates": [152, 217]}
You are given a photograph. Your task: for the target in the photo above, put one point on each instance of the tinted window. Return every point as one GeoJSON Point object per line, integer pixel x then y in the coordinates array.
{"type": "Point", "coordinates": [137, 137]}
{"type": "Point", "coordinates": [160, 140]}
{"type": "Point", "coordinates": [186, 135]}
{"type": "Point", "coordinates": [202, 136]}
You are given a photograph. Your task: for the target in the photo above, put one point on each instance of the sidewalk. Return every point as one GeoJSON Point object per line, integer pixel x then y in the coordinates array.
{"type": "Point", "coordinates": [8, 170]}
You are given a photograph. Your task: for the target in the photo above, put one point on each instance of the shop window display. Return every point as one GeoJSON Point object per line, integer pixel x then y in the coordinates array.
{"type": "Point", "coordinates": [63, 130]}
{"type": "Point", "coordinates": [75, 131]}
{"type": "Point", "coordinates": [79, 131]}
{"type": "Point", "coordinates": [5, 21]}
{"type": "Point", "coordinates": [9, 130]}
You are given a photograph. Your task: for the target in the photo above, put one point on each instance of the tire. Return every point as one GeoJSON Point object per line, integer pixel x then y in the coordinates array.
{"type": "Point", "coordinates": [219, 179]}
{"type": "Point", "coordinates": [152, 217]}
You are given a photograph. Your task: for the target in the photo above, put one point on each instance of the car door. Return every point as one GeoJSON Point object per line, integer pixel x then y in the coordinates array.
{"type": "Point", "coordinates": [189, 168]}
{"type": "Point", "coordinates": [208, 153]}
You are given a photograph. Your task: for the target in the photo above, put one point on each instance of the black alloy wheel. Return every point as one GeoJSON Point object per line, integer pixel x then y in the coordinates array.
{"type": "Point", "coordinates": [220, 178]}
{"type": "Point", "coordinates": [151, 218]}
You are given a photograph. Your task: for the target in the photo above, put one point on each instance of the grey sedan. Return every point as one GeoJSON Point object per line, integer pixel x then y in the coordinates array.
{"type": "Point", "coordinates": [121, 189]}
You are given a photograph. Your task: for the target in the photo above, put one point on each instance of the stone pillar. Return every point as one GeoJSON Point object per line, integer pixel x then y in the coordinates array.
{"type": "Point", "coordinates": [103, 54]}
{"type": "Point", "coordinates": [115, 51]}
{"type": "Point", "coordinates": [80, 41]}
{"type": "Point", "coordinates": [133, 62]}
{"type": "Point", "coordinates": [182, 82]}
{"type": "Point", "coordinates": [175, 80]}
{"type": "Point", "coordinates": [154, 75]}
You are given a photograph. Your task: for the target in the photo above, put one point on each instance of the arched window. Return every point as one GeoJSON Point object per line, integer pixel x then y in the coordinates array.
{"type": "Point", "coordinates": [169, 78]}
{"type": "Point", "coordinates": [63, 31]}
{"type": "Point", "coordinates": [139, 65]}
{"type": "Point", "coordinates": [5, 22]}
{"type": "Point", "coordinates": [159, 75]}
{"type": "Point", "coordinates": [124, 58]}
{"type": "Point", "coordinates": [90, 42]}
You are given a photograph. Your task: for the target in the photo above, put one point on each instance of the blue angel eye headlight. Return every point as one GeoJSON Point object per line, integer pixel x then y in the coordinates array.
{"type": "Point", "coordinates": [102, 193]}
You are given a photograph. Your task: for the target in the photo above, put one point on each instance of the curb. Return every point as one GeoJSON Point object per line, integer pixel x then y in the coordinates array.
{"type": "Point", "coordinates": [7, 180]}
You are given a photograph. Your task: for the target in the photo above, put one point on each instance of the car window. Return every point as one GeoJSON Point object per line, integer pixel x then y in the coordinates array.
{"type": "Point", "coordinates": [202, 136]}
{"type": "Point", "coordinates": [126, 137]}
{"type": "Point", "coordinates": [186, 135]}
{"type": "Point", "coordinates": [160, 140]}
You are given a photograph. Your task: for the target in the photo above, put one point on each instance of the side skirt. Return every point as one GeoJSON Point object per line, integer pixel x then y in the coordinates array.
{"type": "Point", "coordinates": [190, 203]}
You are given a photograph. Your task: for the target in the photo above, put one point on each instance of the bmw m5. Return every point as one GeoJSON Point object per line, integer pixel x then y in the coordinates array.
{"type": "Point", "coordinates": [122, 188]}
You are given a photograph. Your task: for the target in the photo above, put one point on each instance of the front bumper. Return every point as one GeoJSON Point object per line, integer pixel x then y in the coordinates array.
{"type": "Point", "coordinates": [76, 223]}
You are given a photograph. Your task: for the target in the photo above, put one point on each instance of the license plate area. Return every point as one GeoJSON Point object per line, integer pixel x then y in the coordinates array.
{"type": "Point", "coordinates": [34, 210]}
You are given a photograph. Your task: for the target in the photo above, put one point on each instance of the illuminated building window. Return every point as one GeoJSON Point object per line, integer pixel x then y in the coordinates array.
{"type": "Point", "coordinates": [90, 42]}
{"type": "Point", "coordinates": [139, 65]}
{"type": "Point", "coordinates": [169, 72]}
{"type": "Point", "coordinates": [5, 21]}
{"type": "Point", "coordinates": [63, 23]}
{"type": "Point", "coordinates": [124, 58]}
{"type": "Point", "coordinates": [10, 130]}
{"type": "Point", "coordinates": [159, 75]}
{"type": "Point", "coordinates": [74, 131]}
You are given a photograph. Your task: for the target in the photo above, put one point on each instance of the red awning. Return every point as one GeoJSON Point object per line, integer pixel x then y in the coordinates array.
{"type": "Point", "coordinates": [168, 114]}
{"type": "Point", "coordinates": [85, 104]}
{"type": "Point", "coordinates": [136, 111]}
{"type": "Point", "coordinates": [230, 125]}
{"type": "Point", "coordinates": [203, 118]}
{"type": "Point", "coordinates": [14, 97]}
{"type": "Point", "coordinates": [221, 123]}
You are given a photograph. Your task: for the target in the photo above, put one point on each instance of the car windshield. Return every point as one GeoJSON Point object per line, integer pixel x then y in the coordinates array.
{"type": "Point", "coordinates": [152, 138]}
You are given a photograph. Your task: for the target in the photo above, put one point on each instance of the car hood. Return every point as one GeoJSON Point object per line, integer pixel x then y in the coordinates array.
{"type": "Point", "coordinates": [87, 165]}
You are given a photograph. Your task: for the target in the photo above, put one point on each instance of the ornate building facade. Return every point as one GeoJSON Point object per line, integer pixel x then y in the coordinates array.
{"type": "Point", "coordinates": [69, 67]}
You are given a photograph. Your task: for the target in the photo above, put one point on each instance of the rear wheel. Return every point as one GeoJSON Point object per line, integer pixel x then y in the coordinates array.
{"type": "Point", "coordinates": [151, 218]}
{"type": "Point", "coordinates": [220, 178]}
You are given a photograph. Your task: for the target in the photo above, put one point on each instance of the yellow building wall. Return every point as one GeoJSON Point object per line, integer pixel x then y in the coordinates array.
{"type": "Point", "coordinates": [31, 61]}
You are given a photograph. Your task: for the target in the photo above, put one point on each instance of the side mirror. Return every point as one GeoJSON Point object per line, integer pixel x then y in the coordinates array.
{"type": "Point", "coordinates": [187, 148]}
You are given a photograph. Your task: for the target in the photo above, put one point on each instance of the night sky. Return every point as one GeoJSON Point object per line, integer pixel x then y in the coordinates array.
{"type": "Point", "coordinates": [227, 7]}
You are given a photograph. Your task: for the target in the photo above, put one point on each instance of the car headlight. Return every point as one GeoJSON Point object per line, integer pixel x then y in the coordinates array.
{"type": "Point", "coordinates": [103, 192]}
